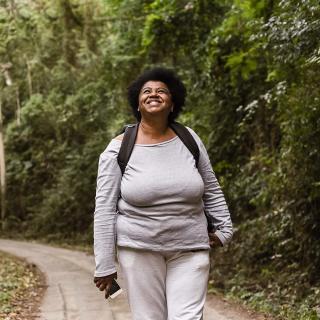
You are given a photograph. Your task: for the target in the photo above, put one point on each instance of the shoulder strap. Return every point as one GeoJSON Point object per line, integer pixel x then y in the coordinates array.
{"type": "Point", "coordinates": [129, 138]}
{"type": "Point", "coordinates": [188, 140]}
{"type": "Point", "coordinates": [130, 135]}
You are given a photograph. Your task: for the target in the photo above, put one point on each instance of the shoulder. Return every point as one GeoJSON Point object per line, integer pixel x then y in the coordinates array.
{"type": "Point", "coordinates": [191, 131]}
{"type": "Point", "coordinates": [195, 136]}
{"type": "Point", "coordinates": [202, 148]}
{"type": "Point", "coordinates": [112, 149]}
{"type": "Point", "coordinates": [119, 137]}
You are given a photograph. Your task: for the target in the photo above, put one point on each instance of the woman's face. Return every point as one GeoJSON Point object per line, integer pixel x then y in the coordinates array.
{"type": "Point", "coordinates": [155, 98]}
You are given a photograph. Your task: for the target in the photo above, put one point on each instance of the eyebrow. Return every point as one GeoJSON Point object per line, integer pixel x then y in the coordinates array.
{"type": "Point", "coordinates": [144, 88]}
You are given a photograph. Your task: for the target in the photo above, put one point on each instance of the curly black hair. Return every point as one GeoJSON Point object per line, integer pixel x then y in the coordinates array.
{"type": "Point", "coordinates": [167, 76]}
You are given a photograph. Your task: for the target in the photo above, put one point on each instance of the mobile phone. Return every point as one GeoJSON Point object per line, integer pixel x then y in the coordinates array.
{"type": "Point", "coordinates": [115, 289]}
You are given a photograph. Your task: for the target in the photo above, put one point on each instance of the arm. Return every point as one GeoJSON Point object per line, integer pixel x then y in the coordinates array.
{"type": "Point", "coordinates": [213, 198]}
{"type": "Point", "coordinates": [107, 193]}
{"type": "Point", "coordinates": [214, 201]}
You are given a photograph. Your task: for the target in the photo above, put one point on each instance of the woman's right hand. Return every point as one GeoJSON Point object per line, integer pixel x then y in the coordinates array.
{"type": "Point", "coordinates": [214, 241]}
{"type": "Point", "coordinates": [104, 283]}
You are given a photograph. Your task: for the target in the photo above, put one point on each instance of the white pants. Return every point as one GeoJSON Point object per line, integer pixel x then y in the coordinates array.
{"type": "Point", "coordinates": [165, 285]}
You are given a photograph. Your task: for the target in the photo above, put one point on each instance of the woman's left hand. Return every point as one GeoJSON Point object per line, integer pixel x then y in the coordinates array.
{"type": "Point", "coordinates": [214, 241]}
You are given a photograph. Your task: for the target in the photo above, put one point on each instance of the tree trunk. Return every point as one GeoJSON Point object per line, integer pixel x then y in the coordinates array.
{"type": "Point", "coordinates": [2, 173]}
{"type": "Point", "coordinates": [18, 108]}
{"type": "Point", "coordinates": [29, 77]}
{"type": "Point", "coordinates": [13, 8]}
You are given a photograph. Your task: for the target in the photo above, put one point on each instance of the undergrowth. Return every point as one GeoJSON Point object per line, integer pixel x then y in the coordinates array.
{"type": "Point", "coordinates": [21, 288]}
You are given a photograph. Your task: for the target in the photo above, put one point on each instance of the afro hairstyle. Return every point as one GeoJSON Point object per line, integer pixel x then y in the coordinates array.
{"type": "Point", "coordinates": [167, 76]}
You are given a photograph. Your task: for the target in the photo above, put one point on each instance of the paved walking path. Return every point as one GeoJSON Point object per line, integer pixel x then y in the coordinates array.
{"type": "Point", "coordinates": [71, 294]}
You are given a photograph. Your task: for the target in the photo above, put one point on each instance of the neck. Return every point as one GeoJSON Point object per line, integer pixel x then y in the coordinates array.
{"type": "Point", "coordinates": [154, 127]}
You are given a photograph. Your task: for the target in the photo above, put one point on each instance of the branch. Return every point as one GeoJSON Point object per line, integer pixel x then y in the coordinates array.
{"type": "Point", "coordinates": [4, 67]}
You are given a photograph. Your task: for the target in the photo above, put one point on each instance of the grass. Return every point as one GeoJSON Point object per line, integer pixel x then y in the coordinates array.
{"type": "Point", "coordinates": [281, 294]}
{"type": "Point", "coordinates": [261, 302]}
{"type": "Point", "coordinates": [21, 288]}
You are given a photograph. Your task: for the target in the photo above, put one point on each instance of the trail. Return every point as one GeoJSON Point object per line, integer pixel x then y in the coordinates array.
{"type": "Point", "coordinates": [71, 294]}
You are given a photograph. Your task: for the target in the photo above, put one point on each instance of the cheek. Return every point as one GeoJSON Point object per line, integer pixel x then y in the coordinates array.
{"type": "Point", "coordinates": [167, 99]}
{"type": "Point", "coordinates": [140, 101]}
{"type": "Point", "coordinates": [141, 98]}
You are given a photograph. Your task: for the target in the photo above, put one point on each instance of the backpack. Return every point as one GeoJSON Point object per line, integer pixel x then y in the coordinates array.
{"type": "Point", "coordinates": [130, 134]}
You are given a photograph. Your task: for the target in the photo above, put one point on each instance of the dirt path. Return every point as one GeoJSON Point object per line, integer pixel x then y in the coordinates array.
{"type": "Point", "coordinates": [71, 294]}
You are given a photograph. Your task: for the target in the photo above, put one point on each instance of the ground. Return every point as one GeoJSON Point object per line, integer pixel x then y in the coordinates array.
{"type": "Point", "coordinates": [71, 294]}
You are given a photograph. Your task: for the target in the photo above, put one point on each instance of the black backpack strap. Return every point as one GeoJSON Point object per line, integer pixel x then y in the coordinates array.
{"type": "Point", "coordinates": [130, 135]}
{"type": "Point", "coordinates": [128, 141]}
{"type": "Point", "coordinates": [188, 140]}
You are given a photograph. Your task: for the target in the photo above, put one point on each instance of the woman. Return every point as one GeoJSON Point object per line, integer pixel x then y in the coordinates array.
{"type": "Point", "coordinates": [154, 213]}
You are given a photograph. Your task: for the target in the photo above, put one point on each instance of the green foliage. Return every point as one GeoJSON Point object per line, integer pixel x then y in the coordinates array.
{"type": "Point", "coordinates": [252, 72]}
{"type": "Point", "coordinates": [20, 283]}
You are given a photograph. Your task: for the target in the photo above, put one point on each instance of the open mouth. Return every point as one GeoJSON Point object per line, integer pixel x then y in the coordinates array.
{"type": "Point", "coordinates": [153, 102]}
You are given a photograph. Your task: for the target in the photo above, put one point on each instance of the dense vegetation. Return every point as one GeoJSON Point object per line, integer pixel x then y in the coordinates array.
{"type": "Point", "coordinates": [252, 69]}
{"type": "Point", "coordinates": [21, 288]}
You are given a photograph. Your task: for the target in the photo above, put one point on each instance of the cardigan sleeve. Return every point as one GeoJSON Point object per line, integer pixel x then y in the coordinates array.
{"type": "Point", "coordinates": [214, 201]}
{"type": "Point", "coordinates": [107, 194]}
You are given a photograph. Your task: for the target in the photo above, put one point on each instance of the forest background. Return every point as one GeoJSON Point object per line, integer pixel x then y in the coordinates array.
{"type": "Point", "coordinates": [252, 71]}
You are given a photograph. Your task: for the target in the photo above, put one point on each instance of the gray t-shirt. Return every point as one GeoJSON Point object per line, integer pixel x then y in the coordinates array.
{"type": "Point", "coordinates": [158, 203]}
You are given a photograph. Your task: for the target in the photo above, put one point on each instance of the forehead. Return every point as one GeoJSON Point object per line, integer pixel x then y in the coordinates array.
{"type": "Point", "coordinates": [154, 84]}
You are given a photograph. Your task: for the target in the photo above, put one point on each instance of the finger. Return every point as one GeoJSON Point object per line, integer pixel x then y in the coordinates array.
{"type": "Point", "coordinates": [107, 291]}
{"type": "Point", "coordinates": [102, 286]}
{"type": "Point", "coordinates": [212, 243]}
{"type": "Point", "coordinates": [99, 284]}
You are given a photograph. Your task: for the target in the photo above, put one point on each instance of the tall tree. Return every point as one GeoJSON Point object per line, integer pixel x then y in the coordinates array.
{"type": "Point", "coordinates": [2, 171]}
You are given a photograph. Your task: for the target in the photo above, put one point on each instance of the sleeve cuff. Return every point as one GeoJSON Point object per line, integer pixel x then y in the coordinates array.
{"type": "Point", "coordinates": [105, 273]}
{"type": "Point", "coordinates": [221, 237]}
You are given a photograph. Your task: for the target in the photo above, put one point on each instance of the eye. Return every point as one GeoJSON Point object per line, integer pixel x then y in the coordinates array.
{"type": "Point", "coordinates": [146, 90]}
{"type": "Point", "coordinates": [163, 91]}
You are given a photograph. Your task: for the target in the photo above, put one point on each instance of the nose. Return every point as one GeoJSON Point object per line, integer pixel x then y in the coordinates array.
{"type": "Point", "coordinates": [153, 93]}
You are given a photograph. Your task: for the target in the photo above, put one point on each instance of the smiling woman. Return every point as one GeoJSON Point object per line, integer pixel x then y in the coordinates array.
{"type": "Point", "coordinates": [155, 97]}
{"type": "Point", "coordinates": [156, 209]}
{"type": "Point", "coordinates": [172, 83]}
{"type": "Point", "coordinates": [154, 100]}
